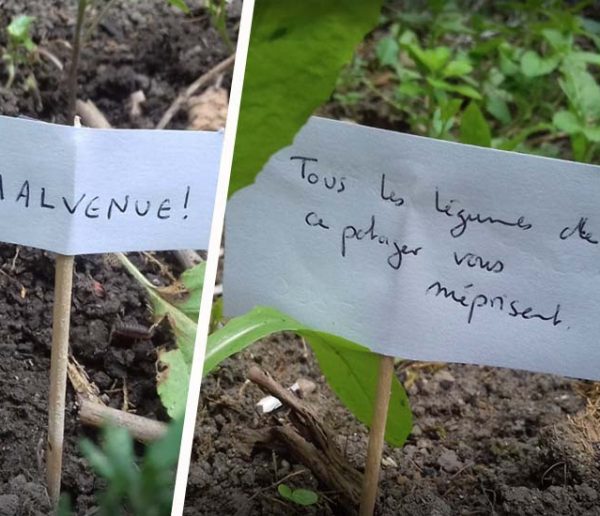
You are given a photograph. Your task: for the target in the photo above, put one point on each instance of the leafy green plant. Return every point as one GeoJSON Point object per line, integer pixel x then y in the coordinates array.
{"type": "Point", "coordinates": [179, 304]}
{"type": "Point", "coordinates": [20, 50]}
{"type": "Point", "coordinates": [303, 497]}
{"type": "Point", "coordinates": [515, 76]}
{"type": "Point", "coordinates": [139, 486]}
{"type": "Point", "coordinates": [351, 370]}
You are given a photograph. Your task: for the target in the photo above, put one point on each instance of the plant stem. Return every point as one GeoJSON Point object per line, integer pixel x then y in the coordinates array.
{"type": "Point", "coordinates": [58, 373]}
{"type": "Point", "coordinates": [72, 78]}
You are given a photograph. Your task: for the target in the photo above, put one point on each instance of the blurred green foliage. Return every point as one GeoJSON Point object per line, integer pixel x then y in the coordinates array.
{"type": "Point", "coordinates": [138, 486]}
{"type": "Point", "coordinates": [520, 76]}
{"type": "Point", "coordinates": [20, 49]}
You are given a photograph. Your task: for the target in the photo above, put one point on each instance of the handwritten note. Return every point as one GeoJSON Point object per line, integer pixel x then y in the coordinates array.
{"type": "Point", "coordinates": [79, 190]}
{"type": "Point", "coordinates": [424, 249]}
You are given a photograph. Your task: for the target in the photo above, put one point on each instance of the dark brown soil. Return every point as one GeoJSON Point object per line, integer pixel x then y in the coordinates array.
{"type": "Point", "coordinates": [140, 45]}
{"type": "Point", "coordinates": [485, 441]}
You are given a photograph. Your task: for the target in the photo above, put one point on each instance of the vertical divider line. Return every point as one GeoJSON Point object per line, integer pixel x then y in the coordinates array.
{"type": "Point", "coordinates": [212, 261]}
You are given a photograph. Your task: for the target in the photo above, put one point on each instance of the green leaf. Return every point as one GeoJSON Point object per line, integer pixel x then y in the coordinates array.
{"type": "Point", "coordinates": [558, 41]}
{"type": "Point", "coordinates": [592, 134]}
{"type": "Point", "coordinates": [193, 281]}
{"type": "Point", "coordinates": [179, 304]}
{"type": "Point", "coordinates": [163, 454]}
{"type": "Point", "coordinates": [172, 381]}
{"type": "Point", "coordinates": [296, 52]}
{"type": "Point", "coordinates": [534, 65]}
{"type": "Point", "coordinates": [350, 369]}
{"type": "Point", "coordinates": [584, 57]}
{"type": "Point", "coordinates": [567, 122]}
{"type": "Point", "coordinates": [97, 459]}
{"type": "Point", "coordinates": [433, 59]}
{"type": "Point", "coordinates": [498, 108]}
{"type": "Point", "coordinates": [240, 332]}
{"type": "Point", "coordinates": [461, 89]}
{"type": "Point", "coordinates": [457, 69]}
{"type": "Point", "coordinates": [20, 26]}
{"type": "Point", "coordinates": [304, 497]}
{"type": "Point", "coordinates": [183, 326]}
{"type": "Point", "coordinates": [474, 129]}
{"type": "Point", "coordinates": [181, 5]}
{"type": "Point", "coordinates": [387, 51]}
{"type": "Point", "coordinates": [285, 491]}
{"type": "Point", "coordinates": [409, 89]}
{"type": "Point", "coordinates": [583, 93]}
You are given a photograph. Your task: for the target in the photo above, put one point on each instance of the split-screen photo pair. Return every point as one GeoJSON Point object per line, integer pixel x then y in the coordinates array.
{"type": "Point", "coordinates": [275, 258]}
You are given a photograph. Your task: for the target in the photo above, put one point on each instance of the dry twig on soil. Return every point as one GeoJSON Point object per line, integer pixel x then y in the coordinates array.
{"type": "Point", "coordinates": [310, 442]}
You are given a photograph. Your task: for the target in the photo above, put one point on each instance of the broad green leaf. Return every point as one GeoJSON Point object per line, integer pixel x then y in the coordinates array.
{"type": "Point", "coordinates": [592, 134]}
{"type": "Point", "coordinates": [296, 52]}
{"type": "Point", "coordinates": [409, 89]}
{"type": "Point", "coordinates": [462, 89]}
{"type": "Point", "coordinates": [387, 51]}
{"type": "Point", "coordinates": [240, 332]}
{"type": "Point", "coordinates": [474, 129]}
{"type": "Point", "coordinates": [433, 59]}
{"type": "Point", "coordinates": [498, 108]}
{"type": "Point", "coordinates": [172, 381]}
{"type": "Point", "coordinates": [583, 93]}
{"type": "Point", "coordinates": [457, 69]}
{"type": "Point", "coordinates": [584, 57]}
{"type": "Point", "coordinates": [558, 41]}
{"type": "Point", "coordinates": [567, 122]}
{"type": "Point", "coordinates": [304, 497]}
{"type": "Point", "coordinates": [351, 370]}
{"type": "Point", "coordinates": [534, 65]}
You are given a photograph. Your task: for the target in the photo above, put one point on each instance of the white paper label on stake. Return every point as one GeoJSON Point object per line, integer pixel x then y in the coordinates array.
{"type": "Point", "coordinates": [424, 249]}
{"type": "Point", "coordinates": [79, 190]}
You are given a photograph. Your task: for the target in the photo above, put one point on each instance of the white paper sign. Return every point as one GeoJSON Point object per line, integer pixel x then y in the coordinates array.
{"type": "Point", "coordinates": [424, 249]}
{"type": "Point", "coordinates": [78, 190]}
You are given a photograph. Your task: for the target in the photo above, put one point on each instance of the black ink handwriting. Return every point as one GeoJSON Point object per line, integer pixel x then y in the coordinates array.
{"type": "Point", "coordinates": [398, 201]}
{"type": "Point", "coordinates": [466, 217]}
{"type": "Point", "coordinates": [581, 231]}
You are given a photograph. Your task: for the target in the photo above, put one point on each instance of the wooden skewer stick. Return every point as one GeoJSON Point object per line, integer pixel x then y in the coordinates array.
{"type": "Point", "coordinates": [63, 283]}
{"type": "Point", "coordinates": [376, 436]}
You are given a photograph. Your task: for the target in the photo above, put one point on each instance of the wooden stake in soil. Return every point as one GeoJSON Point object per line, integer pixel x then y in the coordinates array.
{"type": "Point", "coordinates": [376, 435]}
{"type": "Point", "coordinates": [59, 361]}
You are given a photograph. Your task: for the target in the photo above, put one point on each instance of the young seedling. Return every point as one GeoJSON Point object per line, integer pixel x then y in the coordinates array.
{"type": "Point", "coordinates": [20, 49]}
{"type": "Point", "coordinates": [303, 497]}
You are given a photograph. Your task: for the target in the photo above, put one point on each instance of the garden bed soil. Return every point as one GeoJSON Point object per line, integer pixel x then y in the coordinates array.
{"type": "Point", "coordinates": [139, 45]}
{"type": "Point", "coordinates": [485, 441]}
